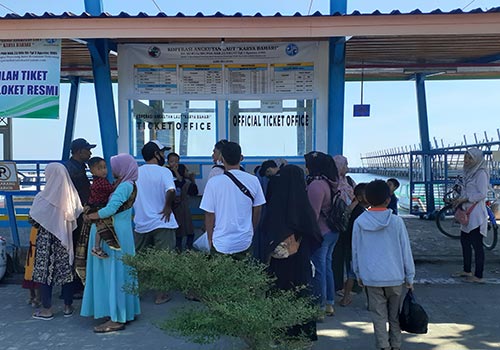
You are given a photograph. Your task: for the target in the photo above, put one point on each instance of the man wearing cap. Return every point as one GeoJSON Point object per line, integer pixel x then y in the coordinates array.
{"type": "Point", "coordinates": [155, 224]}
{"type": "Point", "coordinates": [77, 168]}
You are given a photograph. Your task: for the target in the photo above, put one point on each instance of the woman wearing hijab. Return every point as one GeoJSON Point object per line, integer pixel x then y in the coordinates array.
{"type": "Point", "coordinates": [342, 250]}
{"type": "Point", "coordinates": [321, 183]}
{"type": "Point", "coordinates": [54, 212]}
{"type": "Point", "coordinates": [344, 183]}
{"type": "Point", "coordinates": [289, 213]}
{"type": "Point", "coordinates": [105, 278]}
{"type": "Point", "coordinates": [475, 186]}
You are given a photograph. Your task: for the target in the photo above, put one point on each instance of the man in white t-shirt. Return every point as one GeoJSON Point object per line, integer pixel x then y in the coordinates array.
{"type": "Point", "coordinates": [155, 224]}
{"type": "Point", "coordinates": [230, 214]}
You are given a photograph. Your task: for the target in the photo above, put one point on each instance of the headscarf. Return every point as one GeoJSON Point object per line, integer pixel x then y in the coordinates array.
{"type": "Point", "coordinates": [321, 166]}
{"type": "Point", "coordinates": [288, 210]}
{"type": "Point", "coordinates": [346, 190]}
{"type": "Point", "coordinates": [57, 207]}
{"type": "Point", "coordinates": [125, 168]}
{"type": "Point", "coordinates": [478, 163]}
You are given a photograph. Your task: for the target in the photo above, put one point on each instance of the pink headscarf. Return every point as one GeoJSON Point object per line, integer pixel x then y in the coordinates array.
{"type": "Point", "coordinates": [346, 191]}
{"type": "Point", "coordinates": [125, 168]}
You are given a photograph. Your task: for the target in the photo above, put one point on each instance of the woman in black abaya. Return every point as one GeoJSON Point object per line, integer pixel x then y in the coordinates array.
{"type": "Point", "coordinates": [289, 212]}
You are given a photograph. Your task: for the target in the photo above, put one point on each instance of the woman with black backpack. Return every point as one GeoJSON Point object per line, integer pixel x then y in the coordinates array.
{"type": "Point", "coordinates": [321, 183]}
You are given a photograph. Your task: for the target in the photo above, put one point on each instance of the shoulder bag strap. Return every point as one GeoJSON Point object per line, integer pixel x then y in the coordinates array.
{"type": "Point", "coordinates": [471, 208]}
{"type": "Point", "coordinates": [238, 183]}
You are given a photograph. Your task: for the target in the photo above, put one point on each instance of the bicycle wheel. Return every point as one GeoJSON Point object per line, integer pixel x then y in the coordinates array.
{"type": "Point", "coordinates": [490, 241]}
{"type": "Point", "coordinates": [446, 222]}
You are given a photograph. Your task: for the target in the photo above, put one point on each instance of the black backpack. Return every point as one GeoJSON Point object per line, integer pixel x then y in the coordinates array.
{"type": "Point", "coordinates": [337, 218]}
{"type": "Point", "coordinates": [413, 318]}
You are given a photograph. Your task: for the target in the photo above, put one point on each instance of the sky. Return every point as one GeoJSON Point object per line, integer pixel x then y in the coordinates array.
{"type": "Point", "coordinates": [455, 108]}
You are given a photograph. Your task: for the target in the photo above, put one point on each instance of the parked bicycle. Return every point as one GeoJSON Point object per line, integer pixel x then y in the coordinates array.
{"type": "Point", "coordinates": [447, 224]}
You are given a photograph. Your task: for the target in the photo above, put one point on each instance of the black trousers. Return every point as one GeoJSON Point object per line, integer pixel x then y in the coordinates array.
{"type": "Point", "coordinates": [46, 294]}
{"type": "Point", "coordinates": [473, 240]}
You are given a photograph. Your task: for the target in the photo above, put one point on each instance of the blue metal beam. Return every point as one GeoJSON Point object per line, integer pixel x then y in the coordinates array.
{"type": "Point", "coordinates": [336, 85]}
{"type": "Point", "coordinates": [425, 142]}
{"type": "Point", "coordinates": [99, 52]}
{"type": "Point", "coordinates": [70, 119]}
{"type": "Point", "coordinates": [423, 122]}
{"type": "Point", "coordinates": [94, 7]}
{"type": "Point", "coordinates": [485, 59]}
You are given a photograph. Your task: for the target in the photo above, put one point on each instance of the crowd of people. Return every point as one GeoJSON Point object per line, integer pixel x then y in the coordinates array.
{"type": "Point", "coordinates": [282, 216]}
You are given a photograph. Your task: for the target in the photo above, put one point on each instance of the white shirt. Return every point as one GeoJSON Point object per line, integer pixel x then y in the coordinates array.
{"type": "Point", "coordinates": [153, 183]}
{"type": "Point", "coordinates": [476, 191]}
{"type": "Point", "coordinates": [233, 230]}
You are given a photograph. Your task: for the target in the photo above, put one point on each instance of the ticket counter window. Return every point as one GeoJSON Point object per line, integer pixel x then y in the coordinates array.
{"type": "Point", "coordinates": [272, 128]}
{"type": "Point", "coordinates": [189, 127]}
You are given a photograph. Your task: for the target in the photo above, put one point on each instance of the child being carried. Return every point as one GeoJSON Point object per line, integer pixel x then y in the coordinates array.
{"type": "Point", "coordinates": [100, 191]}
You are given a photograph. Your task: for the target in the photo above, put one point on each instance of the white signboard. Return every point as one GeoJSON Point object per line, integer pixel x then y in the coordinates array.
{"type": "Point", "coordinates": [218, 71]}
{"type": "Point", "coordinates": [29, 78]}
{"type": "Point", "coordinates": [8, 176]}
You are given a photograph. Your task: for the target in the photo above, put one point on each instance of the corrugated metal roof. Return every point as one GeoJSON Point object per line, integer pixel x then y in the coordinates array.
{"type": "Point", "coordinates": [29, 15]}
{"type": "Point", "coordinates": [382, 56]}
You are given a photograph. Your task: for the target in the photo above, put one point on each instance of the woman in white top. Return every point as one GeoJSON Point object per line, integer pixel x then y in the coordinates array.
{"type": "Point", "coordinates": [473, 195]}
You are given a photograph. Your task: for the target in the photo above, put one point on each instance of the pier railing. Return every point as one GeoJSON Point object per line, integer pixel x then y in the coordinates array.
{"type": "Point", "coordinates": [432, 174]}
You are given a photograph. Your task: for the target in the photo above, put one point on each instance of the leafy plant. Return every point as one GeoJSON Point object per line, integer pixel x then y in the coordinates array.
{"type": "Point", "coordinates": [239, 298]}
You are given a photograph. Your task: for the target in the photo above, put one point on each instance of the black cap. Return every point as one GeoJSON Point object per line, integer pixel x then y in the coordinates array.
{"type": "Point", "coordinates": [78, 144]}
{"type": "Point", "coordinates": [149, 149]}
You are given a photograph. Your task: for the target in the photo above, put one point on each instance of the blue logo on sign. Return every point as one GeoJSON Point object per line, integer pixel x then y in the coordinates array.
{"type": "Point", "coordinates": [292, 50]}
{"type": "Point", "coordinates": [51, 41]}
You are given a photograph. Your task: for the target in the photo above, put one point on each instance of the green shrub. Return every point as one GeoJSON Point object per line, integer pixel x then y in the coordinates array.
{"type": "Point", "coordinates": [239, 298]}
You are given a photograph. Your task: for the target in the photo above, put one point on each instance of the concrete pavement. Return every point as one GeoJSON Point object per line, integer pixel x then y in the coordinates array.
{"type": "Point", "coordinates": [462, 315]}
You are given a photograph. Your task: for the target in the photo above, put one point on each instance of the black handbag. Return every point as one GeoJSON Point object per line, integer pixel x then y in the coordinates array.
{"type": "Point", "coordinates": [413, 318]}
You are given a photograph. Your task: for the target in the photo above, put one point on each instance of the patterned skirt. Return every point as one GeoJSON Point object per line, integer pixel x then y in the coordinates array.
{"type": "Point", "coordinates": [52, 265]}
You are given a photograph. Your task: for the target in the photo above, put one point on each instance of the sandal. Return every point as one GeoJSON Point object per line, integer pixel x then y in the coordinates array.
{"type": "Point", "coordinates": [68, 312]}
{"type": "Point", "coordinates": [99, 253]}
{"type": "Point", "coordinates": [109, 326]}
{"type": "Point", "coordinates": [38, 316]}
{"type": "Point", "coordinates": [162, 299]}
{"type": "Point", "coordinates": [345, 301]}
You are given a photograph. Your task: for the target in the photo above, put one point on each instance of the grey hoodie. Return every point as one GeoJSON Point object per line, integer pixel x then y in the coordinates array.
{"type": "Point", "coordinates": [381, 252]}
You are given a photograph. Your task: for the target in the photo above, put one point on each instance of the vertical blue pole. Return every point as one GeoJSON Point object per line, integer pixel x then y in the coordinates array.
{"type": "Point", "coordinates": [423, 125]}
{"type": "Point", "coordinates": [94, 7]}
{"type": "Point", "coordinates": [11, 211]}
{"type": "Point", "coordinates": [70, 120]}
{"type": "Point", "coordinates": [423, 122]}
{"type": "Point", "coordinates": [336, 85]}
{"type": "Point", "coordinates": [99, 52]}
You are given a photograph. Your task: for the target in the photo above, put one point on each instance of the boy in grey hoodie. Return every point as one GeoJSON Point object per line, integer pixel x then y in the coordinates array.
{"type": "Point", "coordinates": [383, 262]}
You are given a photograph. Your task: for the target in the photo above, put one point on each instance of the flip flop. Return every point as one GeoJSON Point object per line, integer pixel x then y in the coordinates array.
{"type": "Point", "coordinates": [38, 316]}
{"type": "Point", "coordinates": [110, 328]}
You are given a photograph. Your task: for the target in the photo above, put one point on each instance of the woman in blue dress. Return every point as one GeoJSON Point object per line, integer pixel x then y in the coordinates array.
{"type": "Point", "coordinates": [104, 294]}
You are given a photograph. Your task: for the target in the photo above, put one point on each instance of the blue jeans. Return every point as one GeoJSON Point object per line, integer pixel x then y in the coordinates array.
{"type": "Point", "coordinates": [323, 283]}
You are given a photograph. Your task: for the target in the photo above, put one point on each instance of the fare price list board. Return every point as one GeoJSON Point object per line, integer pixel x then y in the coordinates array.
{"type": "Point", "coordinates": [201, 79]}
{"type": "Point", "coordinates": [292, 77]}
{"type": "Point", "coordinates": [216, 79]}
{"type": "Point", "coordinates": [247, 78]}
{"type": "Point", "coordinates": [155, 79]}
